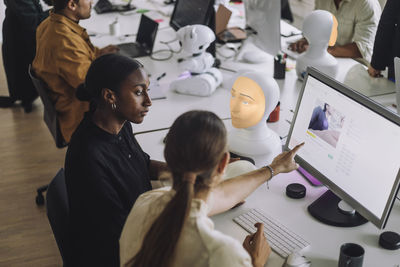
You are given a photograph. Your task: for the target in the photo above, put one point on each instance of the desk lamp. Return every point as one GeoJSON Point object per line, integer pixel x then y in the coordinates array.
{"type": "Point", "coordinates": [320, 30]}
{"type": "Point", "coordinates": [199, 77]}
{"type": "Point", "coordinates": [253, 97]}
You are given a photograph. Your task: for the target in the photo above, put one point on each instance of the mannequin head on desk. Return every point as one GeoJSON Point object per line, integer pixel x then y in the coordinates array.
{"type": "Point", "coordinates": [320, 30]}
{"type": "Point", "coordinates": [253, 97]}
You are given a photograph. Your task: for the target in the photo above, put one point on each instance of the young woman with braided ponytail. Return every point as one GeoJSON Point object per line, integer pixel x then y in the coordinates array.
{"type": "Point", "coordinates": [171, 227]}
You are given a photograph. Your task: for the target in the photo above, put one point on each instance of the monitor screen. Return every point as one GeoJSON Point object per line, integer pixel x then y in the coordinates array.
{"type": "Point", "coordinates": [147, 32]}
{"type": "Point", "coordinates": [189, 12]}
{"type": "Point", "coordinates": [352, 145]}
{"type": "Point", "coordinates": [264, 17]}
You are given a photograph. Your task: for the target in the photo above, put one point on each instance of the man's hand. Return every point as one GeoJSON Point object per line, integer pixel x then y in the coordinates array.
{"type": "Point", "coordinates": [110, 49]}
{"type": "Point", "coordinates": [373, 72]}
{"type": "Point", "coordinates": [257, 246]}
{"type": "Point", "coordinates": [300, 46]}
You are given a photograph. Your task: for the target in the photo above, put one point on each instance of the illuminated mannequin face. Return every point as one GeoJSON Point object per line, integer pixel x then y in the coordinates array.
{"type": "Point", "coordinates": [247, 103]}
{"type": "Point", "coordinates": [334, 32]}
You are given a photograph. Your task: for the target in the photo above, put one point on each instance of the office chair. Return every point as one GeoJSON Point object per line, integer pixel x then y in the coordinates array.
{"type": "Point", "coordinates": [51, 120]}
{"type": "Point", "coordinates": [58, 212]}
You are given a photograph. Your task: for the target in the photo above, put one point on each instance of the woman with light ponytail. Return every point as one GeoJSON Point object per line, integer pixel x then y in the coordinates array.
{"type": "Point", "coordinates": [171, 227]}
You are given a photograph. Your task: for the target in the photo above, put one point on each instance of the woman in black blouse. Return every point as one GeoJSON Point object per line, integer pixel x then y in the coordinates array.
{"type": "Point", "coordinates": [105, 168]}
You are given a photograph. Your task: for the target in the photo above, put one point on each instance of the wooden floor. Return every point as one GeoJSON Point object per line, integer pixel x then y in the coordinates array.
{"type": "Point", "coordinates": [28, 159]}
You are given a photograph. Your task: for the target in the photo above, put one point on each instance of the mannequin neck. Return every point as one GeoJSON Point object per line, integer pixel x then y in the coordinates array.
{"type": "Point", "coordinates": [256, 132]}
{"type": "Point", "coordinates": [317, 50]}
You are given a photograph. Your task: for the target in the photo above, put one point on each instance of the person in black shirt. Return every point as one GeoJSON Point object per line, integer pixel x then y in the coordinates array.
{"type": "Point", "coordinates": [387, 40]}
{"type": "Point", "coordinates": [105, 168]}
{"type": "Point", "coordinates": [19, 47]}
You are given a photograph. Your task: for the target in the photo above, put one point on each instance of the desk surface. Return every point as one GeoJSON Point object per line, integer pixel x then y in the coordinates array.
{"type": "Point", "coordinates": [325, 240]}
{"type": "Point", "coordinates": [164, 111]}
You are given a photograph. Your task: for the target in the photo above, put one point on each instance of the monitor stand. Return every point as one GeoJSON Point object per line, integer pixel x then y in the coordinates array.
{"type": "Point", "coordinates": [328, 210]}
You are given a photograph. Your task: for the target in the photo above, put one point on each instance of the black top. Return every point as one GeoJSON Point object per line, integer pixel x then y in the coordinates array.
{"type": "Point", "coordinates": [19, 45]}
{"type": "Point", "coordinates": [387, 39]}
{"type": "Point", "coordinates": [104, 173]}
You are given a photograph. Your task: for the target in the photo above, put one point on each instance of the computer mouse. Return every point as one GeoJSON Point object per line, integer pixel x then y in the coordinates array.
{"type": "Point", "coordinates": [296, 260]}
{"type": "Point", "coordinates": [254, 57]}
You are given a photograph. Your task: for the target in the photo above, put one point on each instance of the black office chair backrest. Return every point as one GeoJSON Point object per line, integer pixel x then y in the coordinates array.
{"type": "Point", "coordinates": [58, 212]}
{"type": "Point", "coordinates": [50, 113]}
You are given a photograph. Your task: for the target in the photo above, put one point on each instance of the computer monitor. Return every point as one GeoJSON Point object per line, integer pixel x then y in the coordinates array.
{"type": "Point", "coordinates": [352, 145]}
{"type": "Point", "coordinates": [264, 17]}
{"type": "Point", "coordinates": [189, 12]}
{"type": "Point", "coordinates": [397, 80]}
{"type": "Point", "coordinates": [146, 35]}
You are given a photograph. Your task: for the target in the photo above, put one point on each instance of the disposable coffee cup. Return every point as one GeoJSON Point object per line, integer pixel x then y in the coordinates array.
{"type": "Point", "coordinates": [115, 28]}
{"type": "Point", "coordinates": [351, 255]}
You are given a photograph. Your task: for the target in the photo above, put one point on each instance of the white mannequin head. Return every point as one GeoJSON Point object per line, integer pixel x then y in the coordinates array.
{"type": "Point", "coordinates": [253, 97]}
{"type": "Point", "coordinates": [196, 38]}
{"type": "Point", "coordinates": [320, 28]}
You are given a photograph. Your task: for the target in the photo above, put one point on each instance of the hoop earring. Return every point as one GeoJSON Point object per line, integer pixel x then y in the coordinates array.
{"type": "Point", "coordinates": [113, 106]}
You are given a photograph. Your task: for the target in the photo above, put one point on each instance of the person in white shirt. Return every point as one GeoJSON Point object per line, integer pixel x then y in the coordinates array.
{"type": "Point", "coordinates": [357, 24]}
{"type": "Point", "coordinates": [171, 227]}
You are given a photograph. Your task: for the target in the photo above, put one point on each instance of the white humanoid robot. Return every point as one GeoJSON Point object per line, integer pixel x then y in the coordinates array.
{"type": "Point", "coordinates": [253, 97]}
{"type": "Point", "coordinates": [320, 30]}
{"type": "Point", "coordinates": [202, 79]}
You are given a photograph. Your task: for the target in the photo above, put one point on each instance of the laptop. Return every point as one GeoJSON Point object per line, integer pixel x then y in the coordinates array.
{"type": "Point", "coordinates": [224, 34]}
{"type": "Point", "coordinates": [145, 39]}
{"type": "Point", "coordinates": [105, 6]}
{"type": "Point", "coordinates": [397, 78]}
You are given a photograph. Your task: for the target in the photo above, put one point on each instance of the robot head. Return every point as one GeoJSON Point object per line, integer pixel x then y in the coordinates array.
{"type": "Point", "coordinates": [320, 27]}
{"type": "Point", "coordinates": [195, 38]}
{"type": "Point", "coordinates": [253, 97]}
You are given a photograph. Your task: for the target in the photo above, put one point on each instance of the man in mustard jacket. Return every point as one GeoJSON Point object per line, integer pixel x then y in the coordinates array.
{"type": "Point", "coordinates": [63, 56]}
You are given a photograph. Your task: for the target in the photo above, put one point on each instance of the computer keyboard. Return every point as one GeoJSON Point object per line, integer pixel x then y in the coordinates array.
{"type": "Point", "coordinates": [281, 240]}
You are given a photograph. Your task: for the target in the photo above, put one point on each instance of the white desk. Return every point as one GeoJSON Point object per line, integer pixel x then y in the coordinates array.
{"type": "Point", "coordinates": [164, 112]}
{"type": "Point", "coordinates": [325, 240]}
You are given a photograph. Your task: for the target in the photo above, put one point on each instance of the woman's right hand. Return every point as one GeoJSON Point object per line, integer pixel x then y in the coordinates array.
{"type": "Point", "coordinates": [374, 72]}
{"type": "Point", "coordinates": [299, 46]}
{"type": "Point", "coordinates": [257, 246]}
{"type": "Point", "coordinates": [284, 162]}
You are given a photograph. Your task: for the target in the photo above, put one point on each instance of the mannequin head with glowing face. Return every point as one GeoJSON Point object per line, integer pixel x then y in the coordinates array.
{"type": "Point", "coordinates": [253, 97]}
{"type": "Point", "coordinates": [320, 28]}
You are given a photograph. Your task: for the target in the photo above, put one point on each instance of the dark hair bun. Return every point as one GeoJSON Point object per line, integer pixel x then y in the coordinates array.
{"type": "Point", "coordinates": [82, 93]}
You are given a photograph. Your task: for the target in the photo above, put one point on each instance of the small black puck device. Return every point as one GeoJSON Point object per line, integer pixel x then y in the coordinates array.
{"type": "Point", "coordinates": [296, 191]}
{"type": "Point", "coordinates": [389, 240]}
